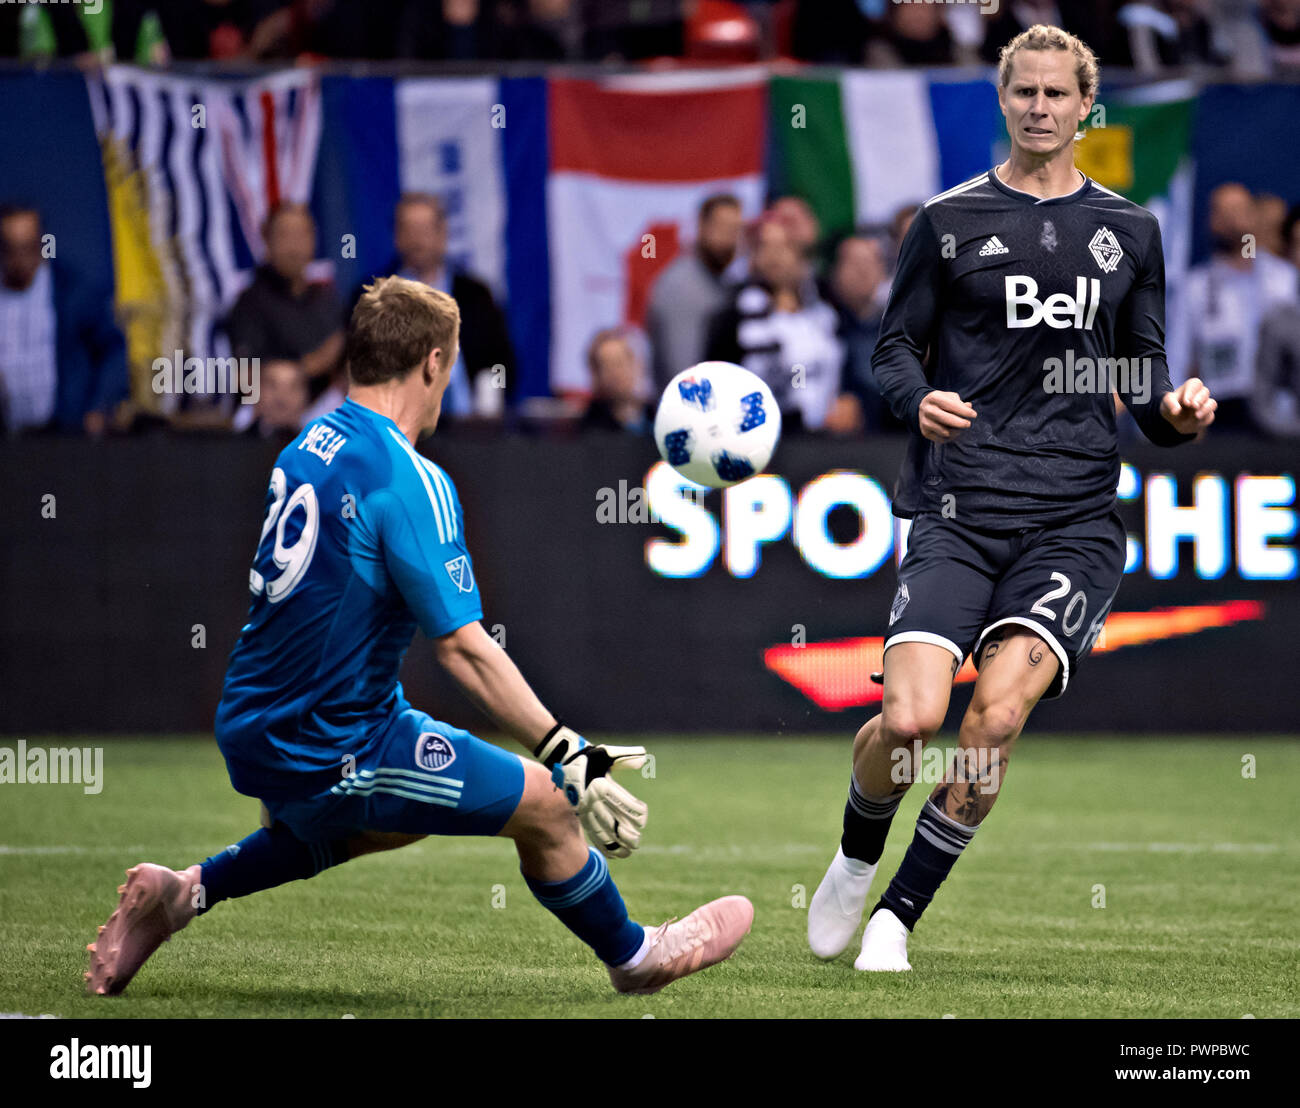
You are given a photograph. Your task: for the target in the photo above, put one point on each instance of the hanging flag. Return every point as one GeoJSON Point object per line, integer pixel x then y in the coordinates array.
{"type": "Point", "coordinates": [449, 141]}
{"type": "Point", "coordinates": [192, 167]}
{"type": "Point", "coordinates": [631, 161]}
{"type": "Point", "coordinates": [477, 144]}
{"type": "Point", "coordinates": [862, 145]}
{"type": "Point", "coordinates": [1249, 134]}
{"type": "Point", "coordinates": [1138, 143]}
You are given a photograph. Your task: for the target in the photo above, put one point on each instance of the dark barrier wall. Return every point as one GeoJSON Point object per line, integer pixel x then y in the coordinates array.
{"type": "Point", "coordinates": [123, 594]}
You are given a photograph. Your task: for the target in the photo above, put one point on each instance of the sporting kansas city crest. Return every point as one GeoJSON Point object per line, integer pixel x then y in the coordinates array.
{"type": "Point", "coordinates": [462, 576]}
{"type": "Point", "coordinates": [1106, 249]}
{"type": "Point", "coordinates": [433, 751]}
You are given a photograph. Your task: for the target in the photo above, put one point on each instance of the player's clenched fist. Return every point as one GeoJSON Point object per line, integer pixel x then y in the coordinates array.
{"type": "Point", "coordinates": [611, 816]}
{"type": "Point", "coordinates": [1189, 408]}
{"type": "Point", "coordinates": [944, 416]}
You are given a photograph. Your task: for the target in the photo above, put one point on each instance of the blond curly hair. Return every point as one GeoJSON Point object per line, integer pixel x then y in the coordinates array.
{"type": "Point", "coordinates": [1043, 37]}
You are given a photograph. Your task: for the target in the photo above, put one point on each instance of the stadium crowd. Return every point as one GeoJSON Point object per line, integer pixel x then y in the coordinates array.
{"type": "Point", "coordinates": [773, 295]}
{"type": "Point", "coordinates": [799, 308]}
{"type": "Point", "coordinates": [1244, 37]}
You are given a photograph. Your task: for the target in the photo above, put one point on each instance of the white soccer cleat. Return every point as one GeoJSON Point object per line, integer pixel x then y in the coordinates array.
{"type": "Point", "coordinates": [884, 944]}
{"type": "Point", "coordinates": [835, 913]}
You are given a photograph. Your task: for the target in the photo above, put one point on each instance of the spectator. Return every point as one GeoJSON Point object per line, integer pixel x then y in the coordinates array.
{"type": "Point", "coordinates": [65, 27]}
{"type": "Point", "coordinates": [1281, 19]}
{"type": "Point", "coordinates": [1270, 220]}
{"type": "Point", "coordinates": [198, 29]}
{"type": "Point", "coordinates": [540, 30]}
{"type": "Point", "coordinates": [331, 28]}
{"type": "Point", "coordinates": [1275, 405]}
{"type": "Point", "coordinates": [898, 228]}
{"type": "Point", "coordinates": [283, 315]}
{"type": "Point", "coordinates": [485, 367]}
{"type": "Point", "coordinates": [1160, 34]}
{"type": "Point", "coordinates": [1240, 35]}
{"type": "Point", "coordinates": [779, 327]}
{"type": "Point", "coordinates": [860, 289]}
{"type": "Point", "coordinates": [1215, 317]}
{"type": "Point", "coordinates": [795, 214]}
{"type": "Point", "coordinates": [456, 30]}
{"type": "Point", "coordinates": [692, 289]}
{"type": "Point", "coordinates": [629, 30]}
{"type": "Point", "coordinates": [618, 400]}
{"type": "Point", "coordinates": [282, 401]}
{"type": "Point", "coordinates": [914, 34]}
{"type": "Point", "coordinates": [831, 32]}
{"type": "Point", "coordinates": [1080, 17]}
{"type": "Point", "coordinates": [1291, 236]}
{"type": "Point", "coordinates": [62, 356]}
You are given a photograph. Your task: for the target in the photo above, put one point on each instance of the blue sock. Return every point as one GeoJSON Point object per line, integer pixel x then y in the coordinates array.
{"type": "Point", "coordinates": [589, 905]}
{"type": "Point", "coordinates": [262, 861]}
{"type": "Point", "coordinates": [935, 848]}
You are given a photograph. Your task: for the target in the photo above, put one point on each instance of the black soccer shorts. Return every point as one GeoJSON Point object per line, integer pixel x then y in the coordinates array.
{"type": "Point", "coordinates": [957, 587]}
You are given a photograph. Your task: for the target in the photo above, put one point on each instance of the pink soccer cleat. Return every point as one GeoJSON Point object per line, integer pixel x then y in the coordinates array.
{"type": "Point", "coordinates": [155, 904]}
{"type": "Point", "coordinates": [709, 935]}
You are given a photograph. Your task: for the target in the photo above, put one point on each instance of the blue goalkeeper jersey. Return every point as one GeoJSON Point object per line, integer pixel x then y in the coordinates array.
{"type": "Point", "coordinates": [363, 541]}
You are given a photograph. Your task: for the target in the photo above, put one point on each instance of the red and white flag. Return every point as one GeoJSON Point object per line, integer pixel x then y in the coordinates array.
{"type": "Point", "coordinates": [631, 162]}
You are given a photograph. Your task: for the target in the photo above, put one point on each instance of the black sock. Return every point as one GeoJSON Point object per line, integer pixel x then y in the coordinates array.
{"type": "Point", "coordinates": [866, 823]}
{"type": "Point", "coordinates": [935, 848]}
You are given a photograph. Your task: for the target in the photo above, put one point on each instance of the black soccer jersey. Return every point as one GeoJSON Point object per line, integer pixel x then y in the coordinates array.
{"type": "Point", "coordinates": [1032, 311]}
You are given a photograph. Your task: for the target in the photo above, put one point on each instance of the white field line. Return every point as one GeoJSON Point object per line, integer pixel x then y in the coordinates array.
{"type": "Point", "coordinates": [469, 848]}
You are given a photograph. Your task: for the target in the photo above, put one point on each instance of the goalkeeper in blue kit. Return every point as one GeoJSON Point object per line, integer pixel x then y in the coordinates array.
{"type": "Point", "coordinates": [363, 541]}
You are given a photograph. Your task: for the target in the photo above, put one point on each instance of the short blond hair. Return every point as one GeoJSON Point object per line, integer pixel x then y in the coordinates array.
{"type": "Point", "coordinates": [395, 326]}
{"type": "Point", "coordinates": [1041, 36]}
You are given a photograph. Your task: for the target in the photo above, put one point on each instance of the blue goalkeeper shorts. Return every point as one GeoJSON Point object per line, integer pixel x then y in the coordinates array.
{"type": "Point", "coordinates": [423, 778]}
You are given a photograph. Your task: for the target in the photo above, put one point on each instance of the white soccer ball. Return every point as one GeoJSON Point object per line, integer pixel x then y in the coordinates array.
{"type": "Point", "coordinates": [717, 424]}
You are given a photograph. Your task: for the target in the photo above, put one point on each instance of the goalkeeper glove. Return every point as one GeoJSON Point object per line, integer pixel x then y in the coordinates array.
{"type": "Point", "coordinates": [610, 815]}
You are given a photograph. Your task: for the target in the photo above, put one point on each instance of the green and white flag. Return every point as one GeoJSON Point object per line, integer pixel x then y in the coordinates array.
{"type": "Point", "coordinates": [1138, 143]}
{"type": "Point", "coordinates": [862, 145]}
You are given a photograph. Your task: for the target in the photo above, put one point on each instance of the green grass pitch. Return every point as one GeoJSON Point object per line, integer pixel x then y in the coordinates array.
{"type": "Point", "coordinates": [1197, 863]}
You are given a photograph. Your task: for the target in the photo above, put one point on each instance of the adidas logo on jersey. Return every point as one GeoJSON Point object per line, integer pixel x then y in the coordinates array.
{"type": "Point", "coordinates": [993, 246]}
{"type": "Point", "coordinates": [1060, 310]}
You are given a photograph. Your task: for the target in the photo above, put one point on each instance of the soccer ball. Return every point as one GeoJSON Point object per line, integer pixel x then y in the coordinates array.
{"type": "Point", "coordinates": [717, 424]}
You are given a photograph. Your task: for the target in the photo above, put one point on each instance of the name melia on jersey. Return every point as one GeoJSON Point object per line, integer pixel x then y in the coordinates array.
{"type": "Point", "coordinates": [323, 441]}
{"type": "Point", "coordinates": [1060, 310]}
